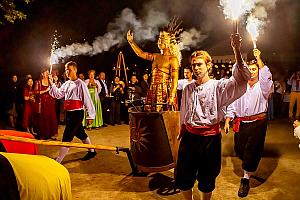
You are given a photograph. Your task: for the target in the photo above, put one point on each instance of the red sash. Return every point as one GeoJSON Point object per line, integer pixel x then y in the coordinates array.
{"type": "Point", "coordinates": [204, 130]}
{"type": "Point", "coordinates": [73, 104]}
{"type": "Point", "coordinates": [237, 121]}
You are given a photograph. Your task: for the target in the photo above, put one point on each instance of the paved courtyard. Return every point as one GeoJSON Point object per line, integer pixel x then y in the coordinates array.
{"type": "Point", "coordinates": [108, 175]}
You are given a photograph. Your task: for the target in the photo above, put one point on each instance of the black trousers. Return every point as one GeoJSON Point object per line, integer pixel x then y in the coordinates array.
{"type": "Point", "coordinates": [115, 112]}
{"type": "Point", "coordinates": [106, 105]}
{"type": "Point", "coordinates": [199, 158]}
{"type": "Point", "coordinates": [74, 126]}
{"type": "Point", "coordinates": [249, 143]}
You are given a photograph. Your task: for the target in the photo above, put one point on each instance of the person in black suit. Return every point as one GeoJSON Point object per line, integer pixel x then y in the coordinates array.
{"type": "Point", "coordinates": [145, 84]}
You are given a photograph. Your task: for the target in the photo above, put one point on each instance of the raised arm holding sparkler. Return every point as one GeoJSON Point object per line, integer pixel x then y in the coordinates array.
{"type": "Point", "coordinates": [250, 119]}
{"type": "Point", "coordinates": [257, 55]}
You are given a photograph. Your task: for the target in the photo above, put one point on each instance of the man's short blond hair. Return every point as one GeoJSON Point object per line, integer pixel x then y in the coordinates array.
{"type": "Point", "coordinates": [203, 55]}
{"type": "Point", "coordinates": [71, 63]}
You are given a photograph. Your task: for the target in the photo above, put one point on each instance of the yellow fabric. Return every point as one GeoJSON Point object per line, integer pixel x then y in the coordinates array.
{"type": "Point", "coordinates": [295, 97]}
{"type": "Point", "coordinates": [40, 177]}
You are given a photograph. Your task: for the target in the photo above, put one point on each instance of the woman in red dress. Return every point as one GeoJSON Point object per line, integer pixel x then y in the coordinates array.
{"type": "Point", "coordinates": [47, 123]}
{"type": "Point", "coordinates": [28, 107]}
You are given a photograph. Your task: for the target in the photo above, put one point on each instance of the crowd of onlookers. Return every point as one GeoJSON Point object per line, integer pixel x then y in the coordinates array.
{"type": "Point", "coordinates": [285, 99]}
{"type": "Point", "coordinates": [30, 107]}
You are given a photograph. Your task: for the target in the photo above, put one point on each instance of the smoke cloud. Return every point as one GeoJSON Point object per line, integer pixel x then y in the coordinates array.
{"type": "Point", "coordinates": [144, 28]}
{"type": "Point", "coordinates": [259, 15]}
{"type": "Point", "coordinates": [191, 38]}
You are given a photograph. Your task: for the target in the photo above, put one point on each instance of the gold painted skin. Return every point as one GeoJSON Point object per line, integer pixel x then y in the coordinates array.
{"type": "Point", "coordinates": [165, 68]}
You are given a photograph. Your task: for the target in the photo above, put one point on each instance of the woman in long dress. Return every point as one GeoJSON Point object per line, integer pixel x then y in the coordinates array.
{"type": "Point", "coordinates": [47, 123]}
{"type": "Point", "coordinates": [94, 90]}
{"type": "Point", "coordinates": [28, 106]}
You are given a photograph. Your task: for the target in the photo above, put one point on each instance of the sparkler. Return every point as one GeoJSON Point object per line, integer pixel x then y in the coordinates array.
{"type": "Point", "coordinates": [233, 9]}
{"type": "Point", "coordinates": [54, 46]}
{"type": "Point", "coordinates": [253, 27]}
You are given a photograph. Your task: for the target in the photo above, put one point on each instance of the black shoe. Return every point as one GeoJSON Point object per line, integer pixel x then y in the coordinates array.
{"type": "Point", "coordinates": [89, 155]}
{"type": "Point", "coordinates": [104, 125]}
{"type": "Point", "coordinates": [244, 188]}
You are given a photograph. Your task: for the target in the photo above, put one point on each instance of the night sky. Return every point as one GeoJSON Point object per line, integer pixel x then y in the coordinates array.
{"type": "Point", "coordinates": [25, 45]}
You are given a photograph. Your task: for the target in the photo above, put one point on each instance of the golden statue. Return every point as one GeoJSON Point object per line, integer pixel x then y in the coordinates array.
{"type": "Point", "coordinates": [165, 67]}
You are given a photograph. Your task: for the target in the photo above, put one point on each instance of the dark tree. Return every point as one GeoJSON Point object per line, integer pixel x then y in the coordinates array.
{"type": "Point", "coordinates": [9, 11]}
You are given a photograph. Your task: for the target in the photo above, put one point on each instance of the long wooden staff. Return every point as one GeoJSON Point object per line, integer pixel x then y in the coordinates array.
{"type": "Point", "coordinates": [57, 143]}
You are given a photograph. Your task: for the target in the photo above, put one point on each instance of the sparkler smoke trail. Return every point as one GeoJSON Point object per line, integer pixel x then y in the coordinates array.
{"type": "Point", "coordinates": [253, 27]}
{"type": "Point", "coordinates": [145, 28]}
{"type": "Point", "coordinates": [258, 18]}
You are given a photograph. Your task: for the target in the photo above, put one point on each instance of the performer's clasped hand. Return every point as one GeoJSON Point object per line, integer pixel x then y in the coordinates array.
{"type": "Point", "coordinates": [236, 41]}
{"type": "Point", "coordinates": [256, 53]}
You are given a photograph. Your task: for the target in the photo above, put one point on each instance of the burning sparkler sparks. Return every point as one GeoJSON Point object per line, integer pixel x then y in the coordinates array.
{"type": "Point", "coordinates": [54, 46]}
{"type": "Point", "coordinates": [253, 27]}
{"type": "Point", "coordinates": [234, 9]}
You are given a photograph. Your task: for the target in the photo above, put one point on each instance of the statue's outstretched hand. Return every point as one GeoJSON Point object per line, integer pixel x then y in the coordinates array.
{"type": "Point", "coordinates": [129, 36]}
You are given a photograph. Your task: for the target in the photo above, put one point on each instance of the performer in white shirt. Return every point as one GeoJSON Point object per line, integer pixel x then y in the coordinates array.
{"type": "Point", "coordinates": [202, 108]}
{"type": "Point", "coordinates": [77, 98]}
{"type": "Point", "coordinates": [188, 78]}
{"type": "Point", "coordinates": [250, 119]}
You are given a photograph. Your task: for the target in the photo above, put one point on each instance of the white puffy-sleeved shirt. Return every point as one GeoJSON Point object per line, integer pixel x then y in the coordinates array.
{"type": "Point", "coordinates": [255, 100]}
{"type": "Point", "coordinates": [182, 83]}
{"type": "Point", "coordinates": [206, 104]}
{"type": "Point", "coordinates": [75, 90]}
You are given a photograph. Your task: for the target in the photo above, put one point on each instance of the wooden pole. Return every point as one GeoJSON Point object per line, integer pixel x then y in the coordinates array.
{"type": "Point", "coordinates": [57, 143]}
{"type": "Point", "coordinates": [126, 79]}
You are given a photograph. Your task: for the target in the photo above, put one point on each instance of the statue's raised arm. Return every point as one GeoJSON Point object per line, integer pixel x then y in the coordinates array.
{"type": "Point", "coordinates": [139, 52]}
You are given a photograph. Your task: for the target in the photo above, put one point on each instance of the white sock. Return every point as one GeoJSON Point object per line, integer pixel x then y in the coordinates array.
{"type": "Point", "coordinates": [247, 174]}
{"type": "Point", "coordinates": [88, 141]}
{"type": "Point", "coordinates": [62, 153]}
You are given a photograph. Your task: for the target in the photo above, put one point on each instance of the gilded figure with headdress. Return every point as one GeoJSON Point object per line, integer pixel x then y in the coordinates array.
{"type": "Point", "coordinates": [165, 68]}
